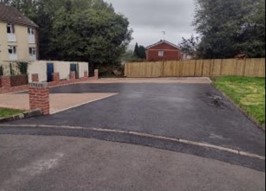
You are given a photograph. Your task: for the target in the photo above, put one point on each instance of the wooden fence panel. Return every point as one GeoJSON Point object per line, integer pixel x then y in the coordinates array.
{"type": "Point", "coordinates": [179, 67]}
{"type": "Point", "coordinates": [199, 68]}
{"type": "Point", "coordinates": [148, 69]}
{"type": "Point", "coordinates": [188, 68]}
{"type": "Point", "coordinates": [228, 67]}
{"type": "Point", "coordinates": [205, 68]}
{"type": "Point", "coordinates": [153, 69]}
{"type": "Point", "coordinates": [142, 69]}
{"type": "Point", "coordinates": [240, 67]}
{"type": "Point", "coordinates": [170, 68]}
{"type": "Point", "coordinates": [250, 67]}
{"type": "Point", "coordinates": [261, 68]}
{"type": "Point", "coordinates": [257, 65]}
{"type": "Point", "coordinates": [217, 66]}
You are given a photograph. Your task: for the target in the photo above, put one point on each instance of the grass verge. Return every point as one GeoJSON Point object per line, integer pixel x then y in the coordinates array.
{"type": "Point", "coordinates": [247, 92]}
{"type": "Point", "coordinates": [4, 112]}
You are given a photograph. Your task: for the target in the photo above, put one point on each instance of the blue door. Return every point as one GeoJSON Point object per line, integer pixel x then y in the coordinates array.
{"type": "Point", "coordinates": [74, 68]}
{"type": "Point", "coordinates": [50, 71]}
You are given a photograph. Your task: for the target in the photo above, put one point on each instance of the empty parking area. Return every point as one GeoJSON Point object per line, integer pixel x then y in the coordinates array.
{"type": "Point", "coordinates": [189, 111]}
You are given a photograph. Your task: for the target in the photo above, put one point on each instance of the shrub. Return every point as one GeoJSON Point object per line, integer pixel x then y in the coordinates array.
{"type": "Point", "coordinates": [1, 71]}
{"type": "Point", "coordinates": [12, 72]}
{"type": "Point", "coordinates": [23, 67]}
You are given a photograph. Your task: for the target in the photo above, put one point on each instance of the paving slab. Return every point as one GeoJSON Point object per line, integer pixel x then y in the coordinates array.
{"type": "Point", "coordinates": [58, 102]}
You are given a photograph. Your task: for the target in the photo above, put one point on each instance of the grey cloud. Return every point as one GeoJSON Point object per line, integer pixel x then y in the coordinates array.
{"type": "Point", "coordinates": [149, 17]}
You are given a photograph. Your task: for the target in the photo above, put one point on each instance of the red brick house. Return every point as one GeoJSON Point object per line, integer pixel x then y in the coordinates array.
{"type": "Point", "coordinates": [163, 50]}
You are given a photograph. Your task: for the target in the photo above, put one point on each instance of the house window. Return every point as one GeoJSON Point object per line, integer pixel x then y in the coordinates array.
{"type": "Point", "coordinates": [30, 31]}
{"type": "Point", "coordinates": [161, 53]}
{"type": "Point", "coordinates": [12, 50]}
{"type": "Point", "coordinates": [32, 51]}
{"type": "Point", "coordinates": [10, 29]}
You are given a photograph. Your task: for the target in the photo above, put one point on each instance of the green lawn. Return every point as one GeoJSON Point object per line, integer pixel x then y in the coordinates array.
{"type": "Point", "coordinates": [247, 92]}
{"type": "Point", "coordinates": [4, 112]}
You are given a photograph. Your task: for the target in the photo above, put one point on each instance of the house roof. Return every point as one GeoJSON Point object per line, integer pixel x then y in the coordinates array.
{"type": "Point", "coordinates": [12, 15]}
{"type": "Point", "coordinates": [161, 42]}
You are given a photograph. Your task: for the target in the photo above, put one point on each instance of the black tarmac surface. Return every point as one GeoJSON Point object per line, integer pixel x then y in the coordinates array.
{"type": "Point", "coordinates": [195, 112]}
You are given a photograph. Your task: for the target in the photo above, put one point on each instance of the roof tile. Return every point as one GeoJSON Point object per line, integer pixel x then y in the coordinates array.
{"type": "Point", "coordinates": [12, 15]}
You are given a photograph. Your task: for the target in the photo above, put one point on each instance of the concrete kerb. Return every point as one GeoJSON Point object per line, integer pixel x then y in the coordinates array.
{"type": "Point", "coordinates": [145, 135]}
{"type": "Point", "coordinates": [24, 115]}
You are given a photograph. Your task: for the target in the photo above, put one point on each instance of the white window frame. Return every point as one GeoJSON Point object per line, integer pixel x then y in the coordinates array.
{"type": "Point", "coordinates": [31, 35]}
{"type": "Point", "coordinates": [10, 28]}
{"type": "Point", "coordinates": [32, 51]}
{"type": "Point", "coordinates": [13, 50]}
{"type": "Point", "coordinates": [31, 31]}
{"type": "Point", "coordinates": [11, 36]}
{"type": "Point", "coordinates": [161, 53]}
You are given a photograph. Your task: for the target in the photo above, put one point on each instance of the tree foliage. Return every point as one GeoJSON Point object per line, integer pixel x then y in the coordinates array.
{"type": "Point", "coordinates": [84, 30]}
{"type": "Point", "coordinates": [190, 46]}
{"type": "Point", "coordinates": [229, 27]}
{"type": "Point", "coordinates": [140, 51]}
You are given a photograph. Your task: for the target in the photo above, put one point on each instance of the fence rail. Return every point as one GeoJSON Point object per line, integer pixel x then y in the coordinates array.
{"type": "Point", "coordinates": [252, 67]}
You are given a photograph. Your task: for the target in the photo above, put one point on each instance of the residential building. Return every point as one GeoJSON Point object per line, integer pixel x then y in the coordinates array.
{"type": "Point", "coordinates": [18, 37]}
{"type": "Point", "coordinates": [163, 50]}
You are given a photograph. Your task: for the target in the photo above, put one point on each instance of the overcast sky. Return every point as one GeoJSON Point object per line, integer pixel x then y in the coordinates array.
{"type": "Point", "coordinates": [148, 18]}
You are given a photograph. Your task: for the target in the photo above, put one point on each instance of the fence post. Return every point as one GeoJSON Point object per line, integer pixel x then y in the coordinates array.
{"type": "Point", "coordinates": [96, 74]}
{"type": "Point", "coordinates": [86, 74]}
{"type": "Point", "coordinates": [39, 97]}
{"type": "Point", "coordinates": [56, 77]}
{"type": "Point", "coordinates": [72, 76]}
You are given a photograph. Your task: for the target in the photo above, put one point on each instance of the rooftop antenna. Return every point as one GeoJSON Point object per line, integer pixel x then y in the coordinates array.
{"type": "Point", "coordinates": [164, 33]}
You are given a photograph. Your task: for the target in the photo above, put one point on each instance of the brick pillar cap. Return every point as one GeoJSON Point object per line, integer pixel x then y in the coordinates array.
{"type": "Point", "coordinates": [38, 84]}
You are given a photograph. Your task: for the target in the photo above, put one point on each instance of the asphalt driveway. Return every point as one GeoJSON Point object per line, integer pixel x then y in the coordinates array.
{"type": "Point", "coordinates": [194, 112]}
{"type": "Point", "coordinates": [45, 163]}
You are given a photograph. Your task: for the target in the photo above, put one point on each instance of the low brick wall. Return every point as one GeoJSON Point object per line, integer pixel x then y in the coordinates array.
{"type": "Point", "coordinates": [19, 80]}
{"type": "Point", "coordinates": [8, 89]}
{"type": "Point", "coordinates": [14, 89]}
{"type": "Point", "coordinates": [0, 82]}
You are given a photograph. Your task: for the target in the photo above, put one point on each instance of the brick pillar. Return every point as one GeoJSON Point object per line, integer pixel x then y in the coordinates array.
{"type": "Point", "coordinates": [96, 74]}
{"type": "Point", "coordinates": [39, 97]}
{"type": "Point", "coordinates": [6, 82]}
{"type": "Point", "coordinates": [86, 74]}
{"type": "Point", "coordinates": [35, 78]}
{"type": "Point", "coordinates": [56, 77]}
{"type": "Point", "coordinates": [72, 76]}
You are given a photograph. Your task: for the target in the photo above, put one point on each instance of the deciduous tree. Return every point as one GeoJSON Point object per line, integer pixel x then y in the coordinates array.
{"type": "Point", "coordinates": [229, 27]}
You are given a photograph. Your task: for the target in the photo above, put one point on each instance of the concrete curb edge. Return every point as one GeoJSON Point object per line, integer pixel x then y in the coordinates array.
{"type": "Point", "coordinates": [26, 114]}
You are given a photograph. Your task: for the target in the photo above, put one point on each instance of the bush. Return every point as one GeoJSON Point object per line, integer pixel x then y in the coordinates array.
{"type": "Point", "coordinates": [12, 72]}
{"type": "Point", "coordinates": [111, 71]}
{"type": "Point", "coordinates": [1, 71]}
{"type": "Point", "coordinates": [23, 67]}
